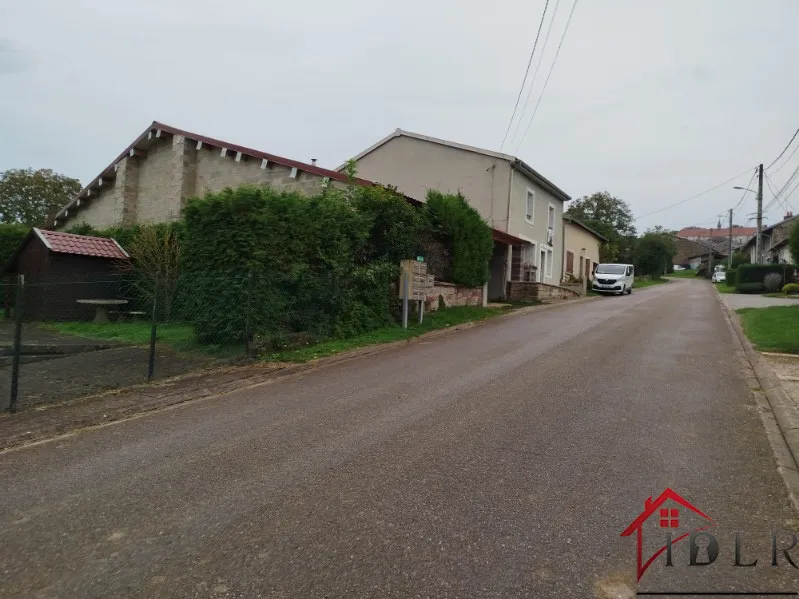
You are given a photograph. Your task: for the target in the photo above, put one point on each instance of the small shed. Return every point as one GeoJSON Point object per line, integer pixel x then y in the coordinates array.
{"type": "Point", "coordinates": [61, 268]}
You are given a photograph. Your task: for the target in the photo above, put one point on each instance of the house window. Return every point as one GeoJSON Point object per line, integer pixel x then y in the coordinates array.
{"type": "Point", "coordinates": [669, 518]}
{"type": "Point", "coordinates": [549, 264]}
{"type": "Point", "coordinates": [530, 206]}
{"type": "Point", "coordinates": [570, 262]}
{"type": "Point", "coordinates": [551, 222]}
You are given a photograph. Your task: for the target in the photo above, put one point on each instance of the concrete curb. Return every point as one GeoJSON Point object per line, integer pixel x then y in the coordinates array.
{"type": "Point", "coordinates": [779, 404]}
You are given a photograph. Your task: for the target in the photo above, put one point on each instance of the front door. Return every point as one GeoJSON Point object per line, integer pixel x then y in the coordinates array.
{"type": "Point", "coordinates": [542, 266]}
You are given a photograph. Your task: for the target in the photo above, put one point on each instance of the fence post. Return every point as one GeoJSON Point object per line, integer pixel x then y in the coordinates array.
{"type": "Point", "coordinates": [153, 333]}
{"type": "Point", "coordinates": [18, 308]}
{"type": "Point", "coordinates": [248, 315]}
{"type": "Point", "coordinates": [405, 294]}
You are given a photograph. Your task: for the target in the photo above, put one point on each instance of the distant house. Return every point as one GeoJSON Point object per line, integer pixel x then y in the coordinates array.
{"type": "Point", "coordinates": [508, 193]}
{"type": "Point", "coordinates": [581, 244]}
{"type": "Point", "coordinates": [775, 242]}
{"type": "Point", "coordinates": [690, 253]}
{"type": "Point", "coordinates": [60, 268]}
{"type": "Point", "coordinates": [740, 235]}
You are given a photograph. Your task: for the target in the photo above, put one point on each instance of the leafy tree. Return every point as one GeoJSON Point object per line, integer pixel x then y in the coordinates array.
{"type": "Point", "coordinates": [612, 217]}
{"type": "Point", "coordinates": [739, 258]}
{"type": "Point", "coordinates": [793, 242]}
{"type": "Point", "coordinates": [466, 232]}
{"type": "Point", "coordinates": [29, 197]}
{"type": "Point", "coordinates": [654, 252]}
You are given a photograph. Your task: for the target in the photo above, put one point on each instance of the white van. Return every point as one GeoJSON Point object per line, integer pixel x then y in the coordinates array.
{"type": "Point", "coordinates": [614, 278]}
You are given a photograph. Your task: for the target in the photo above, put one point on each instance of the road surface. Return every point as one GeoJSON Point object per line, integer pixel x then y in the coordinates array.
{"type": "Point", "coordinates": [499, 461]}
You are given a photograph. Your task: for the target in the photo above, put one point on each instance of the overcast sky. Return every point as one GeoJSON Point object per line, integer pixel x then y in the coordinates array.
{"type": "Point", "coordinates": [652, 100]}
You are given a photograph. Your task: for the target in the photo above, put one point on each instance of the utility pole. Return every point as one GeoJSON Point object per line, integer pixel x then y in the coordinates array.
{"type": "Point", "coordinates": [758, 239]}
{"type": "Point", "coordinates": [729, 239]}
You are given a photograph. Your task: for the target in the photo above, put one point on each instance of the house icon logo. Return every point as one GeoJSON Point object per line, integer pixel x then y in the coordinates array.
{"type": "Point", "coordinates": [669, 513]}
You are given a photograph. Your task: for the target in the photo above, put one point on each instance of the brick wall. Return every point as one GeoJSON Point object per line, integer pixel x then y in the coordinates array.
{"type": "Point", "coordinates": [453, 295]}
{"type": "Point", "coordinates": [522, 291]}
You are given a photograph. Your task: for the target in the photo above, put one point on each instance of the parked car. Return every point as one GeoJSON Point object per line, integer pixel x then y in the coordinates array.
{"type": "Point", "coordinates": [614, 278]}
{"type": "Point", "coordinates": [719, 276]}
{"type": "Point", "coordinates": [678, 268]}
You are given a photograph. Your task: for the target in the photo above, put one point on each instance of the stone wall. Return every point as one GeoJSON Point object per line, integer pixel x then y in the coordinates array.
{"type": "Point", "coordinates": [453, 295]}
{"type": "Point", "coordinates": [153, 184]}
{"type": "Point", "coordinates": [522, 291]}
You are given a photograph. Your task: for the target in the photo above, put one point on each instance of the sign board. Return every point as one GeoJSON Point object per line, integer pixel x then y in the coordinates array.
{"type": "Point", "coordinates": [418, 280]}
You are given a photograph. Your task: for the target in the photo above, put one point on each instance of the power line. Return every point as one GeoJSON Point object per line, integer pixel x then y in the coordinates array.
{"type": "Point", "coordinates": [549, 74]}
{"type": "Point", "coordinates": [526, 72]}
{"type": "Point", "coordinates": [746, 190]}
{"type": "Point", "coordinates": [693, 197]}
{"type": "Point", "coordinates": [785, 149]}
{"type": "Point", "coordinates": [782, 190]}
{"type": "Point", "coordinates": [787, 160]}
{"type": "Point", "coordinates": [783, 201]}
{"type": "Point", "coordinates": [537, 68]}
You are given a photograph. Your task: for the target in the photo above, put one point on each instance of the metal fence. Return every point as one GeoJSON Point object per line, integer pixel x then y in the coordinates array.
{"type": "Point", "coordinates": [67, 339]}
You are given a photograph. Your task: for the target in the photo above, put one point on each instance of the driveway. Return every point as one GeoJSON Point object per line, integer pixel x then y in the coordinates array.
{"type": "Point", "coordinates": [499, 461]}
{"type": "Point", "coordinates": [735, 301]}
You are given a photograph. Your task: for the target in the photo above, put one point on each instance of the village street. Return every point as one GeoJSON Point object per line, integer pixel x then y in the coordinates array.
{"type": "Point", "coordinates": [502, 460]}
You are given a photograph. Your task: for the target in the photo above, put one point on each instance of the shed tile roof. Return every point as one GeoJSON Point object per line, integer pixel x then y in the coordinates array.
{"type": "Point", "coordinates": [82, 245]}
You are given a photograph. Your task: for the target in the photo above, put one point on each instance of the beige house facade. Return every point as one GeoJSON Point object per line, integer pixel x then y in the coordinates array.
{"type": "Point", "coordinates": [510, 195]}
{"type": "Point", "coordinates": [152, 178]}
{"type": "Point", "coordinates": [581, 249]}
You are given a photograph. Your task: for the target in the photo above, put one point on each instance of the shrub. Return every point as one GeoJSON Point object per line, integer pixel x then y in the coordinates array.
{"type": "Point", "coordinates": [731, 277]}
{"type": "Point", "coordinates": [11, 235]}
{"type": "Point", "coordinates": [748, 287]}
{"type": "Point", "coordinates": [791, 289]}
{"type": "Point", "coordinates": [793, 242]}
{"type": "Point", "coordinates": [452, 218]}
{"type": "Point", "coordinates": [772, 282]}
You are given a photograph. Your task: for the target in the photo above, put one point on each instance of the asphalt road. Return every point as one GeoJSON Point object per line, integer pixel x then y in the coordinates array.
{"type": "Point", "coordinates": [498, 461]}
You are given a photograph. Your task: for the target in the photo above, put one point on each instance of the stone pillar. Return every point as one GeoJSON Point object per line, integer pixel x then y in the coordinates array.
{"type": "Point", "coordinates": [126, 190]}
{"type": "Point", "coordinates": [484, 299]}
{"type": "Point", "coordinates": [184, 171]}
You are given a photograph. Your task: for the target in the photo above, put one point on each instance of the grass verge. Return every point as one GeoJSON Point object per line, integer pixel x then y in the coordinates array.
{"type": "Point", "coordinates": [178, 336]}
{"type": "Point", "coordinates": [642, 282]}
{"type": "Point", "coordinates": [682, 274]}
{"type": "Point", "coordinates": [440, 319]}
{"type": "Point", "coordinates": [781, 295]}
{"type": "Point", "coordinates": [772, 329]}
{"type": "Point", "coordinates": [724, 288]}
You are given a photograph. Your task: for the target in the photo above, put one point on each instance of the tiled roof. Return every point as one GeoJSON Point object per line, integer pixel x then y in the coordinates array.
{"type": "Point", "coordinates": [82, 245]}
{"type": "Point", "coordinates": [723, 232]}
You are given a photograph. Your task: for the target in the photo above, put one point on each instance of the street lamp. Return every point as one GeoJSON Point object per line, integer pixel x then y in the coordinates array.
{"type": "Point", "coordinates": [744, 189]}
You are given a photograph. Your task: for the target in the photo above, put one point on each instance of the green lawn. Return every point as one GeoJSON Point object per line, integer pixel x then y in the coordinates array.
{"type": "Point", "coordinates": [434, 320]}
{"type": "Point", "coordinates": [682, 274]}
{"type": "Point", "coordinates": [179, 336]}
{"type": "Point", "coordinates": [724, 288]}
{"type": "Point", "coordinates": [772, 329]}
{"type": "Point", "coordinates": [647, 282]}
{"type": "Point", "coordinates": [781, 296]}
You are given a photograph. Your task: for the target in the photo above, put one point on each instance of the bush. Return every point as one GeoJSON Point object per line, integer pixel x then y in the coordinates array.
{"type": "Point", "coordinates": [791, 289]}
{"type": "Point", "coordinates": [772, 282]}
{"type": "Point", "coordinates": [453, 219]}
{"type": "Point", "coordinates": [756, 273]}
{"type": "Point", "coordinates": [793, 242]}
{"type": "Point", "coordinates": [731, 277]}
{"type": "Point", "coordinates": [749, 287]}
{"type": "Point", "coordinates": [11, 235]}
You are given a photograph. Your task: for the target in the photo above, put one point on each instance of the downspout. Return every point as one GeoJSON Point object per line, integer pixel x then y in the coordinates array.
{"type": "Point", "coordinates": [563, 245]}
{"type": "Point", "coordinates": [510, 195]}
{"type": "Point", "coordinates": [509, 253]}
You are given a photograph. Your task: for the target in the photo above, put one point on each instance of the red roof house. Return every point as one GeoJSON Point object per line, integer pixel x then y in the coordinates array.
{"type": "Point", "coordinates": [60, 268]}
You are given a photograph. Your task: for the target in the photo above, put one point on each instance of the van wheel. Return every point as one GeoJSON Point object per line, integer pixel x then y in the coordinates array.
{"type": "Point", "coordinates": [623, 290]}
{"type": "Point", "coordinates": [630, 291]}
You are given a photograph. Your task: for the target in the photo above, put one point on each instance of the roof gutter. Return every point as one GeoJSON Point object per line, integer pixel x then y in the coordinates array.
{"type": "Point", "coordinates": [538, 178]}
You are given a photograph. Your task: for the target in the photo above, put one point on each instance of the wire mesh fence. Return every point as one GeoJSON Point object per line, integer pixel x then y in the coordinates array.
{"type": "Point", "coordinates": [67, 339]}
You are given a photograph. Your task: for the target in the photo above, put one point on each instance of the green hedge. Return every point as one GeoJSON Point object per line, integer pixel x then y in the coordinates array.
{"type": "Point", "coordinates": [749, 287]}
{"type": "Point", "coordinates": [11, 235]}
{"type": "Point", "coordinates": [791, 289]}
{"type": "Point", "coordinates": [282, 263]}
{"type": "Point", "coordinates": [732, 275]}
{"type": "Point", "coordinates": [750, 275]}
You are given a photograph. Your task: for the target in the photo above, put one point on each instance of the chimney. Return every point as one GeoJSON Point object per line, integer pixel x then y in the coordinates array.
{"type": "Point", "coordinates": [788, 215]}
{"type": "Point", "coordinates": [313, 161]}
